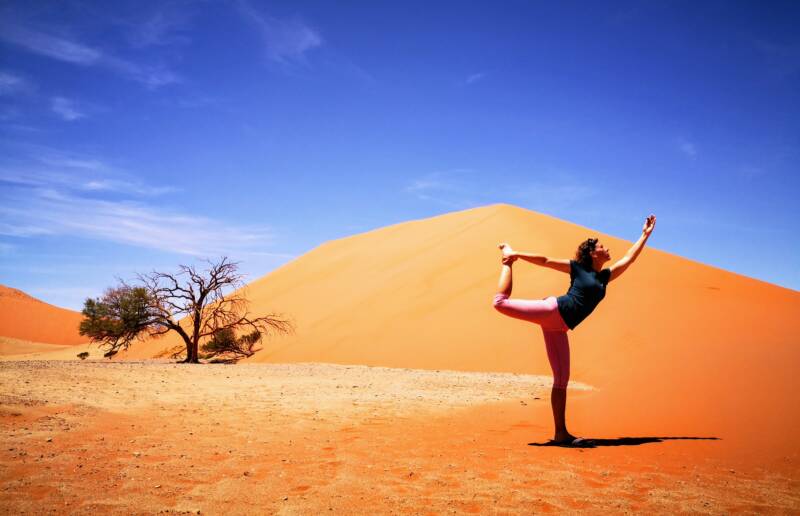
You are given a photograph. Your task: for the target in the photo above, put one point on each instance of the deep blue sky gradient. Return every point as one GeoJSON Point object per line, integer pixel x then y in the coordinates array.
{"type": "Point", "coordinates": [138, 135]}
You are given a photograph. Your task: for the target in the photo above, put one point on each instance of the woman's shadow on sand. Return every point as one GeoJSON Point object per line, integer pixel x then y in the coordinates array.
{"type": "Point", "coordinates": [622, 441]}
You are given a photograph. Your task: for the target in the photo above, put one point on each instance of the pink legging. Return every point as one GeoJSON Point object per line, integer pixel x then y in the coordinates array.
{"type": "Point", "coordinates": [543, 312]}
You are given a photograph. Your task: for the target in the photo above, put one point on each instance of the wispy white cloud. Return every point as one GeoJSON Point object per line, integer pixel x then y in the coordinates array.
{"type": "Point", "coordinates": [36, 211]}
{"type": "Point", "coordinates": [47, 211]}
{"type": "Point", "coordinates": [67, 161]}
{"type": "Point", "coordinates": [58, 295]}
{"type": "Point", "coordinates": [452, 188]}
{"type": "Point", "coordinates": [11, 84]}
{"type": "Point", "coordinates": [51, 46]}
{"type": "Point", "coordinates": [70, 51]}
{"type": "Point", "coordinates": [345, 67]}
{"type": "Point", "coordinates": [56, 193]}
{"type": "Point", "coordinates": [475, 77]}
{"type": "Point", "coordinates": [465, 188]}
{"type": "Point", "coordinates": [285, 41]}
{"type": "Point", "coordinates": [128, 187]}
{"type": "Point", "coordinates": [66, 109]}
{"type": "Point", "coordinates": [151, 76]}
{"type": "Point", "coordinates": [167, 26]}
{"type": "Point", "coordinates": [687, 147]}
{"type": "Point", "coordinates": [46, 167]}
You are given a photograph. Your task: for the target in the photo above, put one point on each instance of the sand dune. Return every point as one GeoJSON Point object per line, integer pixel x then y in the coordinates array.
{"type": "Point", "coordinates": [676, 347]}
{"type": "Point", "coordinates": [26, 318]}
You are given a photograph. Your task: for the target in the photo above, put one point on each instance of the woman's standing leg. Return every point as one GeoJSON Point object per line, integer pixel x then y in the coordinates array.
{"type": "Point", "coordinates": [557, 345]}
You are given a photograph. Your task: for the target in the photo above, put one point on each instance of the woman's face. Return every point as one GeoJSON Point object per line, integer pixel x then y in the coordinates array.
{"type": "Point", "coordinates": [601, 253]}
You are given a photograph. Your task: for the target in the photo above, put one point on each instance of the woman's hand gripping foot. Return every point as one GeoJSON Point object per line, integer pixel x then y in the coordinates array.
{"type": "Point", "coordinates": [508, 254]}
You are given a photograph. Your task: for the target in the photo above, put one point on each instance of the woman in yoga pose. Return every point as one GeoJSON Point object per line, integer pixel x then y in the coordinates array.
{"type": "Point", "coordinates": [588, 280]}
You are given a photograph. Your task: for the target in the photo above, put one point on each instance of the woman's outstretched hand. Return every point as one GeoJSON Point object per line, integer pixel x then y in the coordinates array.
{"type": "Point", "coordinates": [649, 224]}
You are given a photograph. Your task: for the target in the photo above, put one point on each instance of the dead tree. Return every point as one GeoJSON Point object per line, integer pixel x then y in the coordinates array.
{"type": "Point", "coordinates": [198, 305]}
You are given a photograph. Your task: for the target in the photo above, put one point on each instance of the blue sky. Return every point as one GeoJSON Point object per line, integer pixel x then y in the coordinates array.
{"type": "Point", "coordinates": [141, 135]}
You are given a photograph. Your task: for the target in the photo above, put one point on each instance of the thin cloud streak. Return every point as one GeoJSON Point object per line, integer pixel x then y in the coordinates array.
{"type": "Point", "coordinates": [79, 180]}
{"type": "Point", "coordinates": [62, 49]}
{"type": "Point", "coordinates": [687, 148]}
{"type": "Point", "coordinates": [65, 194]}
{"type": "Point", "coordinates": [46, 167]}
{"type": "Point", "coordinates": [151, 76]}
{"type": "Point", "coordinates": [160, 29]}
{"type": "Point", "coordinates": [65, 108]}
{"type": "Point", "coordinates": [445, 188]}
{"type": "Point", "coordinates": [285, 41]}
{"type": "Point", "coordinates": [475, 77]}
{"type": "Point", "coordinates": [61, 161]}
{"type": "Point", "coordinates": [11, 84]}
{"type": "Point", "coordinates": [44, 211]}
{"type": "Point", "coordinates": [452, 189]}
{"type": "Point", "coordinates": [50, 46]}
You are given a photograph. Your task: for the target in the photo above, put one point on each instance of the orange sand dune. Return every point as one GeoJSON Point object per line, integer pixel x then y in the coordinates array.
{"type": "Point", "coordinates": [677, 348]}
{"type": "Point", "coordinates": [26, 318]}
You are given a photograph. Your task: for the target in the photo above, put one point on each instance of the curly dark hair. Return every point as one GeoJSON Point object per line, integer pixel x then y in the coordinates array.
{"type": "Point", "coordinates": [584, 253]}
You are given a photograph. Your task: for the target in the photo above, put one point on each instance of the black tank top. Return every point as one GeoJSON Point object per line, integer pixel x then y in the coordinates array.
{"type": "Point", "coordinates": [586, 289]}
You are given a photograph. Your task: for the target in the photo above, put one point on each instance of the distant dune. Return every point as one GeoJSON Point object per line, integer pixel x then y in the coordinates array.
{"type": "Point", "coordinates": [25, 318]}
{"type": "Point", "coordinates": [676, 347]}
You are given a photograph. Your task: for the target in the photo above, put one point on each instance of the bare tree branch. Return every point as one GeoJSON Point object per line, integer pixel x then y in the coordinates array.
{"type": "Point", "coordinates": [208, 305]}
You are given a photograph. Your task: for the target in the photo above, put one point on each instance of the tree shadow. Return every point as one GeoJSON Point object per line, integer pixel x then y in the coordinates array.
{"type": "Point", "coordinates": [623, 441]}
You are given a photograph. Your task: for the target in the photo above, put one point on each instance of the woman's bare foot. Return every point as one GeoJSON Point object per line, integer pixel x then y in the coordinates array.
{"type": "Point", "coordinates": [508, 254]}
{"type": "Point", "coordinates": [575, 442]}
{"type": "Point", "coordinates": [565, 437]}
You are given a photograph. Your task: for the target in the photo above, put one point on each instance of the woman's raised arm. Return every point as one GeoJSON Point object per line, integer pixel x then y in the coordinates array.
{"type": "Point", "coordinates": [625, 262]}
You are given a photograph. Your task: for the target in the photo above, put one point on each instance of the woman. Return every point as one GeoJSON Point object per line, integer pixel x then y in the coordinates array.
{"type": "Point", "coordinates": [588, 280]}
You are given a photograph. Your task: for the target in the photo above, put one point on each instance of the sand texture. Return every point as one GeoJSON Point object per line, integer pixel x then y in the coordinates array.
{"type": "Point", "coordinates": [123, 437]}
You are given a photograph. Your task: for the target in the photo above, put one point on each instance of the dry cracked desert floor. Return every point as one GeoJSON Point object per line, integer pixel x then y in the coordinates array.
{"type": "Point", "coordinates": [157, 437]}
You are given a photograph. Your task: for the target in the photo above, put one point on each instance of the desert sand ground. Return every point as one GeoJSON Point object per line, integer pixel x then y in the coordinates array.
{"type": "Point", "coordinates": [153, 436]}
